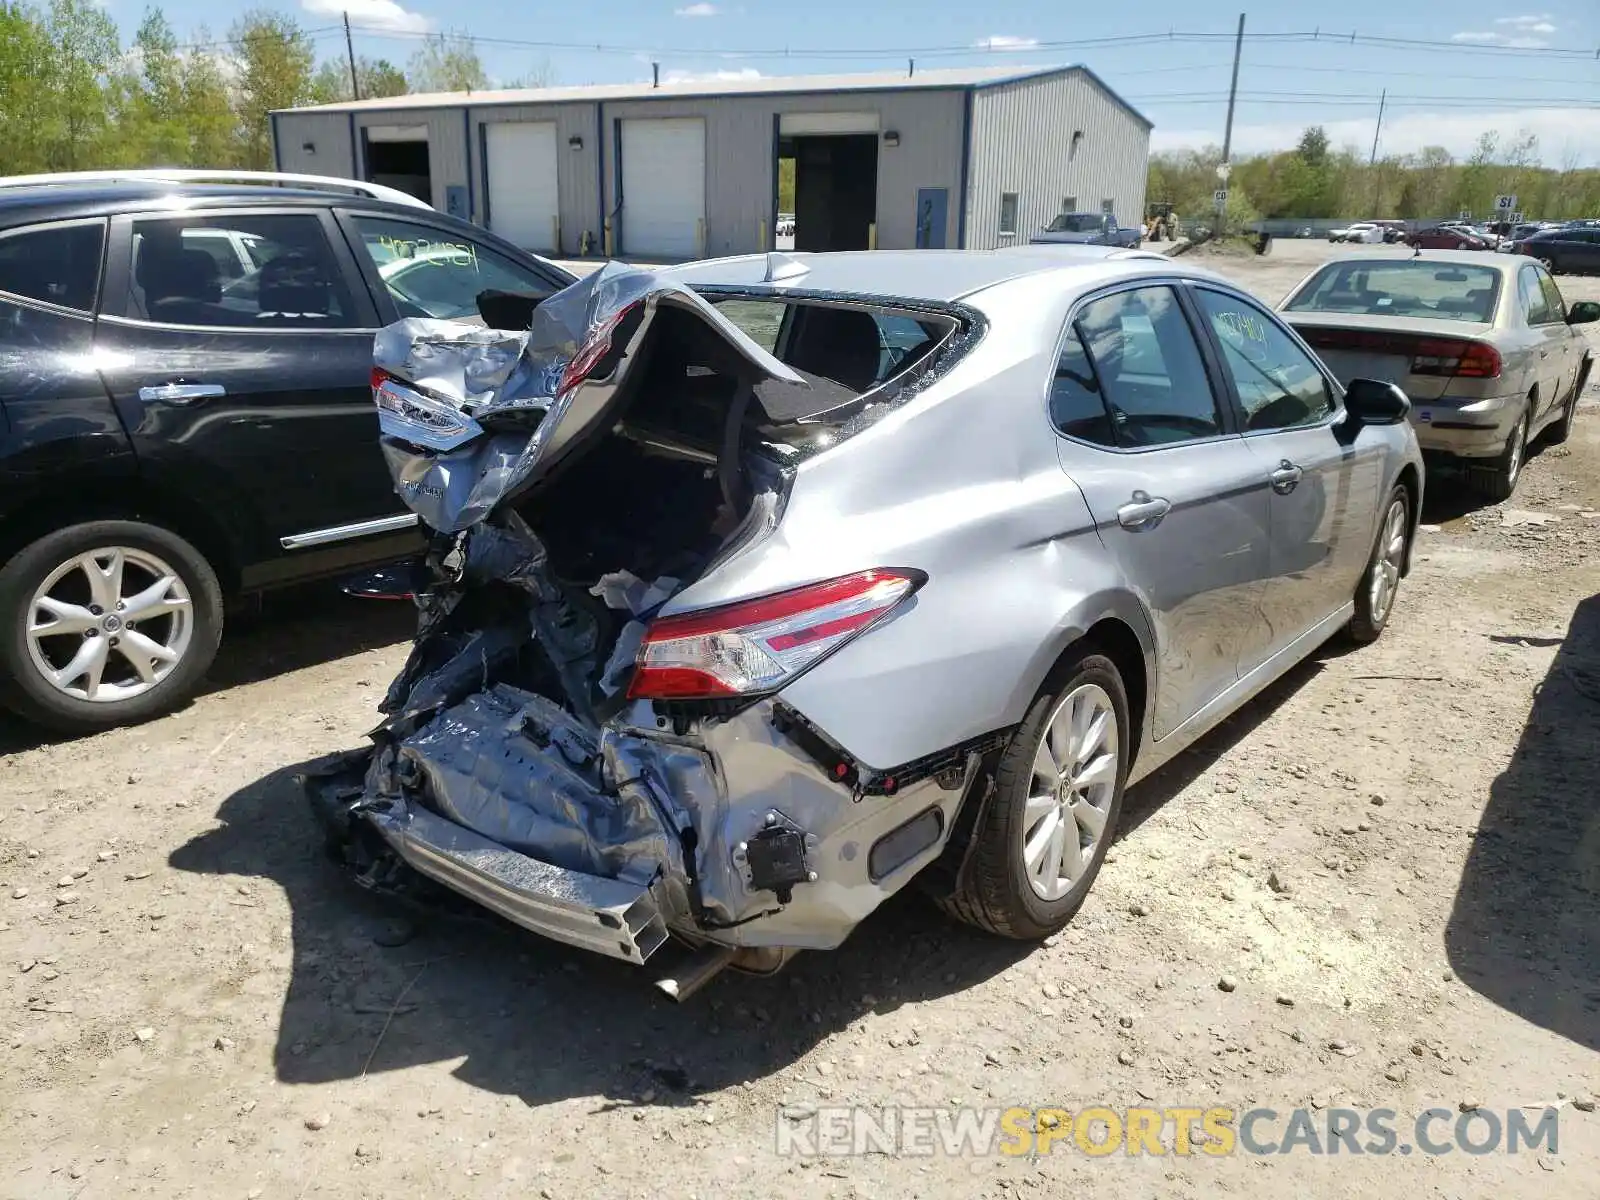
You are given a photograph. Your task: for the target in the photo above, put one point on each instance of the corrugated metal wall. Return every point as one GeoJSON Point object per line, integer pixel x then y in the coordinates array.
{"type": "Point", "coordinates": [328, 135]}
{"type": "Point", "coordinates": [739, 158]}
{"type": "Point", "coordinates": [447, 144]}
{"type": "Point", "coordinates": [577, 178]}
{"type": "Point", "coordinates": [1022, 143]}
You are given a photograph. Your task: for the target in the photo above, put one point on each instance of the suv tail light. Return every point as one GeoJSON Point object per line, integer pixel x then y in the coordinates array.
{"type": "Point", "coordinates": [1461, 359]}
{"type": "Point", "coordinates": [410, 404]}
{"type": "Point", "coordinates": [758, 646]}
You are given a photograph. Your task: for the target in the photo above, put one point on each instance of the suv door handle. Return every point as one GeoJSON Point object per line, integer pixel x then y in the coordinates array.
{"type": "Point", "coordinates": [1143, 512]}
{"type": "Point", "coordinates": [1285, 478]}
{"type": "Point", "coordinates": [181, 393]}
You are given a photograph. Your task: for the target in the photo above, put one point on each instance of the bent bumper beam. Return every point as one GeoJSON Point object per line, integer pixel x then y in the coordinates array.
{"type": "Point", "coordinates": [608, 916]}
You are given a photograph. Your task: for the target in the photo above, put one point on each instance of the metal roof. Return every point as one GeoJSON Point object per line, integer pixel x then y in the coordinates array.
{"type": "Point", "coordinates": [943, 78]}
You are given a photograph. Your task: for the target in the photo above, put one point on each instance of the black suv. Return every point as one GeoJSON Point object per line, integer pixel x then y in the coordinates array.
{"type": "Point", "coordinates": [186, 413]}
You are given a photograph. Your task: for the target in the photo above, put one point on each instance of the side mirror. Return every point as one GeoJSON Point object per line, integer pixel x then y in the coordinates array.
{"type": "Point", "coordinates": [1374, 402]}
{"type": "Point", "coordinates": [1584, 311]}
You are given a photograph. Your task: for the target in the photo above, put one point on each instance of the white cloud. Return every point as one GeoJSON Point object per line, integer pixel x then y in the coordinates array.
{"type": "Point", "coordinates": [697, 10]}
{"type": "Point", "coordinates": [1472, 36]}
{"type": "Point", "coordinates": [1004, 41]}
{"type": "Point", "coordinates": [374, 14]}
{"type": "Point", "coordinates": [710, 76]}
{"type": "Point", "coordinates": [1533, 23]}
{"type": "Point", "coordinates": [1562, 132]}
{"type": "Point", "coordinates": [1520, 35]}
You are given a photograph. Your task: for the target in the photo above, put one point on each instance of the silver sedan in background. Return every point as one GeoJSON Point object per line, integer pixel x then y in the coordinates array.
{"type": "Point", "coordinates": [1483, 345]}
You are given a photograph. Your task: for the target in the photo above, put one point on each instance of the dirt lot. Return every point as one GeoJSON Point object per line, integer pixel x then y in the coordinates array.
{"type": "Point", "coordinates": [1394, 855]}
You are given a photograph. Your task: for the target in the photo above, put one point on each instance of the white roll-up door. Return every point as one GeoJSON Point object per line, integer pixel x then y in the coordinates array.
{"type": "Point", "coordinates": [524, 202]}
{"type": "Point", "coordinates": [663, 186]}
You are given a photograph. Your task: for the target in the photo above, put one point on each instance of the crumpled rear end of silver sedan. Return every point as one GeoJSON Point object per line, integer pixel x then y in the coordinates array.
{"type": "Point", "coordinates": [760, 587]}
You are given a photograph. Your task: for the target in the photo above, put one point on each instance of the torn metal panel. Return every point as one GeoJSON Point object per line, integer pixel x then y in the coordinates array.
{"type": "Point", "coordinates": [470, 415]}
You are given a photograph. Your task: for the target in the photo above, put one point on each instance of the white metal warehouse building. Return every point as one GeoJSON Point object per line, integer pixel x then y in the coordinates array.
{"type": "Point", "coordinates": [969, 157]}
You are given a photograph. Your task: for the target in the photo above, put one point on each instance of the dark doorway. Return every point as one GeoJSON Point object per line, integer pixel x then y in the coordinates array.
{"type": "Point", "coordinates": [401, 165]}
{"type": "Point", "coordinates": [835, 189]}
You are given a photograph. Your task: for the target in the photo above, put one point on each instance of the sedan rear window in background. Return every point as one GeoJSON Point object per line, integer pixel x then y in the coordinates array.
{"type": "Point", "coordinates": [1417, 287]}
{"type": "Point", "coordinates": [59, 265]}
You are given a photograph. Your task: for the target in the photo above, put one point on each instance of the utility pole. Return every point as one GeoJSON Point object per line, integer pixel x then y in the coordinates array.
{"type": "Point", "coordinates": [1372, 160]}
{"type": "Point", "coordinates": [350, 50]}
{"type": "Point", "coordinates": [1227, 133]}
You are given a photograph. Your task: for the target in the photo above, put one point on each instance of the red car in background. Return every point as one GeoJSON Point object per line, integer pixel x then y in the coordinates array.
{"type": "Point", "coordinates": [1448, 237]}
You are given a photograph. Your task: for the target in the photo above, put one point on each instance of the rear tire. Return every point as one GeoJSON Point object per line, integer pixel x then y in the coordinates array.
{"type": "Point", "coordinates": [1061, 827]}
{"type": "Point", "coordinates": [140, 596]}
{"type": "Point", "coordinates": [1380, 583]}
{"type": "Point", "coordinates": [1497, 480]}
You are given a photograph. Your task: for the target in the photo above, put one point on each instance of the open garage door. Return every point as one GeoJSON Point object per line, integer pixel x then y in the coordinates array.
{"type": "Point", "coordinates": [663, 187]}
{"type": "Point", "coordinates": [520, 164]}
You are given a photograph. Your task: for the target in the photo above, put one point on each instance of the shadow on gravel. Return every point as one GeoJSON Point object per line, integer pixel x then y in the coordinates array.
{"type": "Point", "coordinates": [533, 1019]}
{"type": "Point", "coordinates": [1525, 929]}
{"type": "Point", "coordinates": [286, 632]}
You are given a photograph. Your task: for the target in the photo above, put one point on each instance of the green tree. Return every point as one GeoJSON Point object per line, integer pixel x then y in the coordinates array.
{"type": "Point", "coordinates": [24, 88]}
{"type": "Point", "coordinates": [83, 51]}
{"type": "Point", "coordinates": [378, 77]}
{"type": "Point", "coordinates": [149, 96]}
{"type": "Point", "coordinates": [1313, 147]}
{"type": "Point", "coordinates": [207, 107]}
{"type": "Point", "coordinates": [274, 58]}
{"type": "Point", "coordinates": [447, 62]}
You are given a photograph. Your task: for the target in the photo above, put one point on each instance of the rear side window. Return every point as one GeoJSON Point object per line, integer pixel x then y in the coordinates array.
{"type": "Point", "coordinates": [856, 348]}
{"type": "Point", "coordinates": [59, 264]}
{"type": "Point", "coordinates": [266, 271]}
{"type": "Point", "coordinates": [1143, 366]}
{"type": "Point", "coordinates": [1535, 308]}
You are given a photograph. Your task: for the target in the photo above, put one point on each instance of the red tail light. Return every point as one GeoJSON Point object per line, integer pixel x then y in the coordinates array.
{"type": "Point", "coordinates": [757, 646]}
{"type": "Point", "coordinates": [1452, 357]}
{"type": "Point", "coordinates": [592, 351]}
{"type": "Point", "coordinates": [1459, 359]}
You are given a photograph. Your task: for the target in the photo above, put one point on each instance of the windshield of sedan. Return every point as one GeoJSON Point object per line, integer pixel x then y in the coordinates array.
{"type": "Point", "coordinates": [1409, 288]}
{"type": "Point", "coordinates": [1076, 223]}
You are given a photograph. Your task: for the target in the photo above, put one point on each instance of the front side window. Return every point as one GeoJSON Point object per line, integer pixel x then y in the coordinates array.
{"type": "Point", "coordinates": [1535, 309]}
{"type": "Point", "coordinates": [1134, 353]}
{"type": "Point", "coordinates": [253, 271]}
{"type": "Point", "coordinates": [1008, 212]}
{"type": "Point", "coordinates": [58, 264]}
{"type": "Point", "coordinates": [431, 272]}
{"type": "Point", "coordinates": [1278, 383]}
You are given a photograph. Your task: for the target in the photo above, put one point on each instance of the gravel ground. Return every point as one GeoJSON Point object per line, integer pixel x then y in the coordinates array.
{"type": "Point", "coordinates": [1378, 885]}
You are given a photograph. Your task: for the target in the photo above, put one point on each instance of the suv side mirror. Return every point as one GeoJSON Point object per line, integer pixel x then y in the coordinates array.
{"type": "Point", "coordinates": [1584, 311]}
{"type": "Point", "coordinates": [1374, 402]}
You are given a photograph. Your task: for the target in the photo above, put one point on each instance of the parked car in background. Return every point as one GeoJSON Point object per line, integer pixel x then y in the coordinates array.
{"type": "Point", "coordinates": [1087, 229]}
{"type": "Point", "coordinates": [1571, 249]}
{"type": "Point", "coordinates": [1484, 346]}
{"type": "Point", "coordinates": [186, 414]}
{"type": "Point", "coordinates": [1361, 231]}
{"type": "Point", "coordinates": [1446, 237]}
{"type": "Point", "coordinates": [756, 752]}
{"type": "Point", "coordinates": [1393, 231]}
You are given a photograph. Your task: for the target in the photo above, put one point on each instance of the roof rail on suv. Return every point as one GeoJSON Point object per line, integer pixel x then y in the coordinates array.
{"type": "Point", "coordinates": [376, 191]}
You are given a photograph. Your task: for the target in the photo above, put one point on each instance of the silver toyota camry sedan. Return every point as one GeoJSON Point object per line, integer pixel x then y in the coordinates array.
{"type": "Point", "coordinates": [1484, 345]}
{"type": "Point", "coordinates": [761, 587]}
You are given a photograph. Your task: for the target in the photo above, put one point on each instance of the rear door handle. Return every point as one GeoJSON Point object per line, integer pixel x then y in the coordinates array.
{"type": "Point", "coordinates": [1144, 512]}
{"type": "Point", "coordinates": [1286, 478]}
{"type": "Point", "coordinates": [181, 393]}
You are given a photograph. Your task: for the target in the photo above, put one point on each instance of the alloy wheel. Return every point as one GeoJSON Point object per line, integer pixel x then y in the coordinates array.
{"type": "Point", "coordinates": [1074, 780]}
{"type": "Point", "coordinates": [109, 624]}
{"type": "Point", "coordinates": [1391, 557]}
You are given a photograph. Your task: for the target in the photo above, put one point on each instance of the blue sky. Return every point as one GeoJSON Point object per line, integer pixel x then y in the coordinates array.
{"type": "Point", "coordinates": [1495, 67]}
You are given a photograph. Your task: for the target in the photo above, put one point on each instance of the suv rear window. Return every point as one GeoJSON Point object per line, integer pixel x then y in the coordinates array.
{"type": "Point", "coordinates": [58, 264]}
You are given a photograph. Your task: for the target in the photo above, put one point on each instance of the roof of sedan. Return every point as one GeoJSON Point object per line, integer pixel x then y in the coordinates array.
{"type": "Point", "coordinates": [934, 275]}
{"type": "Point", "coordinates": [1461, 258]}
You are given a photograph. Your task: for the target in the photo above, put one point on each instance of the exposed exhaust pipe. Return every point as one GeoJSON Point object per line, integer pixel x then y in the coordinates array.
{"type": "Point", "coordinates": [700, 969]}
